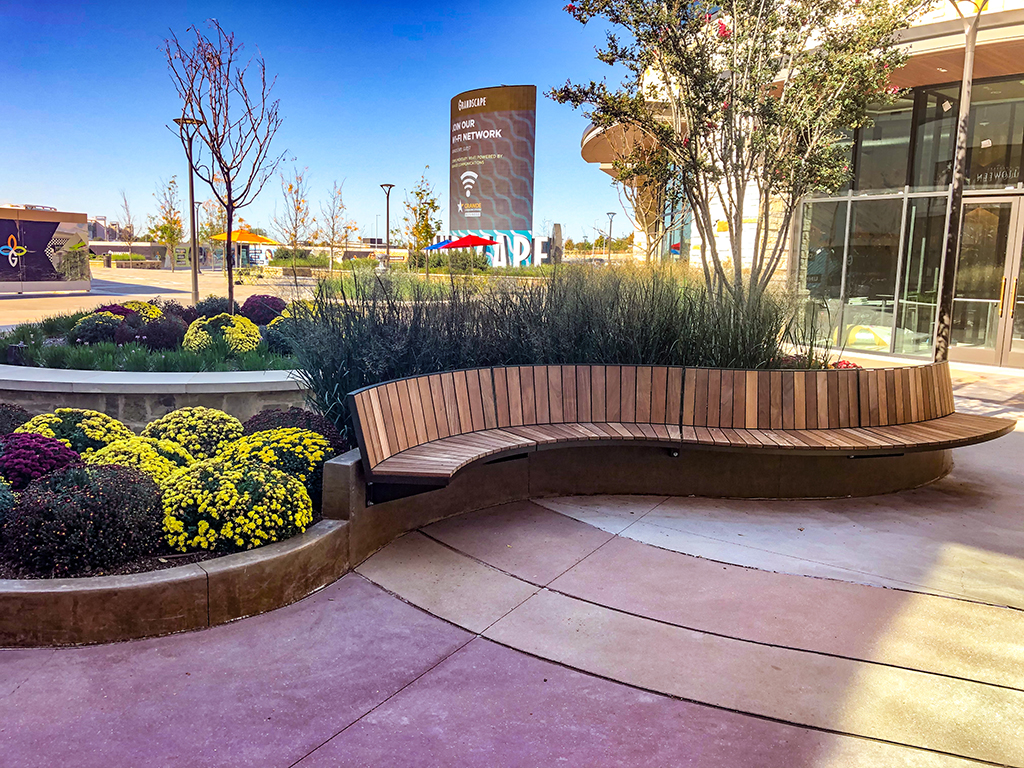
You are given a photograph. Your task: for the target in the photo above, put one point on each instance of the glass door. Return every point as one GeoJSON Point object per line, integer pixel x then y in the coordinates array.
{"type": "Point", "coordinates": [1014, 308]}
{"type": "Point", "coordinates": [983, 308]}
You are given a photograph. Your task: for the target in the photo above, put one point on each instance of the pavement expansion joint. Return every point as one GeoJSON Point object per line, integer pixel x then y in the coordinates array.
{"type": "Point", "coordinates": [547, 588]}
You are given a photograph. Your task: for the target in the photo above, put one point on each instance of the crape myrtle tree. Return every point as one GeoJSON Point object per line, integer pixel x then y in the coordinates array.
{"type": "Point", "coordinates": [229, 96]}
{"type": "Point", "coordinates": [745, 97]}
{"type": "Point", "coordinates": [333, 228]}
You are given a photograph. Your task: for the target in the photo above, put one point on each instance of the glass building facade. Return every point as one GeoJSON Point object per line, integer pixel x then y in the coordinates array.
{"type": "Point", "coordinates": [869, 258]}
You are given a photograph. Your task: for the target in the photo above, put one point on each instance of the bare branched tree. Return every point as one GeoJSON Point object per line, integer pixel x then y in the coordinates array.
{"type": "Point", "coordinates": [295, 226]}
{"type": "Point", "coordinates": [226, 101]}
{"type": "Point", "coordinates": [332, 220]}
{"type": "Point", "coordinates": [126, 226]}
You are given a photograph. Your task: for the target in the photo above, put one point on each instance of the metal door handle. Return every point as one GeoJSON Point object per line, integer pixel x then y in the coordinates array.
{"type": "Point", "coordinates": [1002, 296]}
{"type": "Point", "coordinates": [1013, 297]}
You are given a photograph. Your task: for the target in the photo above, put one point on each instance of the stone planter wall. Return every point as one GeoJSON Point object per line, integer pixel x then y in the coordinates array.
{"type": "Point", "coordinates": [138, 398]}
{"type": "Point", "coordinates": [105, 609]}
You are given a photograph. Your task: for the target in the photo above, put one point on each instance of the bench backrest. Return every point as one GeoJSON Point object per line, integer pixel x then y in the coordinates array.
{"type": "Point", "coordinates": [398, 415]}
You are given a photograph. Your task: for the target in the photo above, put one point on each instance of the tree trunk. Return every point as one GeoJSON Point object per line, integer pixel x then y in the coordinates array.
{"type": "Point", "coordinates": [229, 263]}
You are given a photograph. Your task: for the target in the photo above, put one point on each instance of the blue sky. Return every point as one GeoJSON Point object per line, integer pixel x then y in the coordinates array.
{"type": "Point", "coordinates": [364, 89]}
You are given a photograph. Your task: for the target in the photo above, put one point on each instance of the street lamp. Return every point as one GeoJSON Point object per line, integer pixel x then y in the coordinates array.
{"type": "Point", "coordinates": [947, 274]}
{"type": "Point", "coordinates": [387, 223]}
{"type": "Point", "coordinates": [194, 124]}
{"type": "Point", "coordinates": [611, 215]}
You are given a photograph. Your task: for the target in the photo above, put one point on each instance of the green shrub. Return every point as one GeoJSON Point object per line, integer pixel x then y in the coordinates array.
{"type": "Point", "coordinates": [7, 502]}
{"type": "Point", "coordinates": [11, 417]}
{"type": "Point", "coordinates": [83, 519]}
{"type": "Point", "coordinates": [215, 305]}
{"type": "Point", "coordinates": [94, 328]}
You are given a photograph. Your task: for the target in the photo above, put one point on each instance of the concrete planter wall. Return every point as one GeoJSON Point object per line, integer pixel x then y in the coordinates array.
{"type": "Point", "coordinates": [138, 398]}
{"type": "Point", "coordinates": [104, 609]}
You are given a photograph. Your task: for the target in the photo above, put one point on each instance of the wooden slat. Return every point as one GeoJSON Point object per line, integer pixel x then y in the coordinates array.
{"type": "Point", "coordinates": [751, 405]}
{"type": "Point", "coordinates": [659, 394]}
{"type": "Point", "coordinates": [674, 396]}
{"type": "Point", "coordinates": [899, 396]}
{"type": "Point", "coordinates": [554, 394]}
{"type": "Point", "coordinates": [689, 396]}
{"type": "Point", "coordinates": [598, 392]}
{"type": "Point", "coordinates": [516, 395]}
{"type": "Point", "coordinates": [440, 413]}
{"type": "Point", "coordinates": [726, 399]}
{"type": "Point", "coordinates": [464, 403]}
{"type": "Point", "coordinates": [427, 404]}
{"type": "Point", "coordinates": [367, 428]}
{"type": "Point", "coordinates": [393, 417]}
{"type": "Point", "coordinates": [739, 399]}
{"type": "Point", "coordinates": [789, 399]}
{"type": "Point", "coordinates": [584, 409]}
{"type": "Point", "coordinates": [451, 405]}
{"type": "Point", "coordinates": [883, 398]}
{"type": "Point", "coordinates": [810, 403]}
{"type": "Point", "coordinates": [418, 417]}
{"type": "Point", "coordinates": [764, 400]}
{"type": "Point", "coordinates": [644, 384]}
{"type": "Point", "coordinates": [863, 399]}
{"type": "Point", "coordinates": [487, 390]}
{"type": "Point", "coordinates": [627, 392]}
{"type": "Point", "coordinates": [843, 396]}
{"type": "Point", "coordinates": [501, 397]}
{"type": "Point", "coordinates": [408, 412]}
{"type": "Point", "coordinates": [874, 401]}
{"type": "Point", "coordinates": [613, 393]}
{"type": "Point", "coordinates": [540, 391]}
{"type": "Point", "coordinates": [569, 393]}
{"type": "Point", "coordinates": [526, 397]}
{"type": "Point", "coordinates": [822, 379]}
{"type": "Point", "coordinates": [714, 397]}
{"type": "Point", "coordinates": [799, 400]}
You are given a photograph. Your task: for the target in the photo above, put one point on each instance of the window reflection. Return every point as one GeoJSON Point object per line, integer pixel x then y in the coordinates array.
{"type": "Point", "coordinates": [919, 281]}
{"type": "Point", "coordinates": [871, 274]}
{"type": "Point", "coordinates": [822, 240]}
{"type": "Point", "coordinates": [884, 148]}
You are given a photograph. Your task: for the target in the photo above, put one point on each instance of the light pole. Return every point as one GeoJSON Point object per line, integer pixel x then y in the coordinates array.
{"type": "Point", "coordinates": [387, 223]}
{"type": "Point", "coordinates": [947, 274]}
{"type": "Point", "coordinates": [194, 123]}
{"type": "Point", "coordinates": [611, 215]}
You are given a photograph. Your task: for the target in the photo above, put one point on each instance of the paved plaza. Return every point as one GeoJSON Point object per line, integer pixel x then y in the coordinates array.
{"type": "Point", "coordinates": [597, 631]}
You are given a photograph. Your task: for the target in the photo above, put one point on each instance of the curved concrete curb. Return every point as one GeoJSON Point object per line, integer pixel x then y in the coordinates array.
{"type": "Point", "coordinates": [138, 398]}
{"type": "Point", "coordinates": [103, 609]}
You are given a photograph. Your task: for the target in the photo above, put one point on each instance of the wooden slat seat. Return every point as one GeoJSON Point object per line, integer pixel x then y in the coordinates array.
{"type": "Point", "coordinates": [427, 428]}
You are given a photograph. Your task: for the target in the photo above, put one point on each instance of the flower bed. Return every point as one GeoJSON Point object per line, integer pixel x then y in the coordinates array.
{"type": "Point", "coordinates": [157, 336]}
{"type": "Point", "coordinates": [82, 495]}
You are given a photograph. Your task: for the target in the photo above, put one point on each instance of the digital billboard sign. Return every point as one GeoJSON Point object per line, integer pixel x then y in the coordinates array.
{"type": "Point", "coordinates": [492, 160]}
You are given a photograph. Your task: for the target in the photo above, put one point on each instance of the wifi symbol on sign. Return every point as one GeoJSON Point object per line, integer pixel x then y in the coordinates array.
{"type": "Point", "coordinates": [468, 180]}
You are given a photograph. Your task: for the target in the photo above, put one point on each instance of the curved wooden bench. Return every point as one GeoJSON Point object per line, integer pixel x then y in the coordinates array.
{"type": "Point", "coordinates": [424, 429]}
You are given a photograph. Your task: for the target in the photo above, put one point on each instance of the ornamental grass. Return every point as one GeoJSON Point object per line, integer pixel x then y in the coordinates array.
{"type": "Point", "coordinates": [80, 429]}
{"type": "Point", "coordinates": [203, 432]}
{"type": "Point", "coordinates": [220, 504]}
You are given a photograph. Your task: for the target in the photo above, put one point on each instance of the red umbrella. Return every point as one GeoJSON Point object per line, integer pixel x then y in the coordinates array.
{"type": "Point", "coordinates": [470, 241]}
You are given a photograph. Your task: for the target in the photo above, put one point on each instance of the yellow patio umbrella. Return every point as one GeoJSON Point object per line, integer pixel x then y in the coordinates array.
{"type": "Point", "coordinates": [241, 236]}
